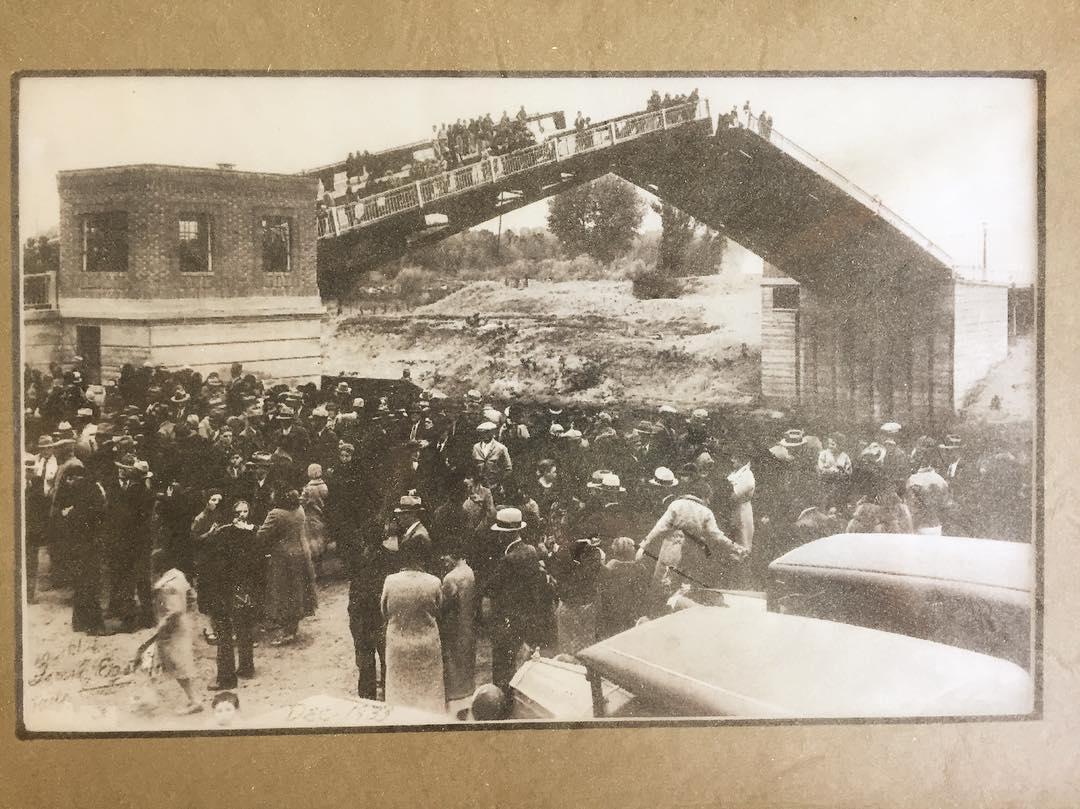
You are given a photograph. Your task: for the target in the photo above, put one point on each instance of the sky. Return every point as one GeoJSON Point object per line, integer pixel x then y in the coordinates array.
{"type": "Point", "coordinates": [947, 154]}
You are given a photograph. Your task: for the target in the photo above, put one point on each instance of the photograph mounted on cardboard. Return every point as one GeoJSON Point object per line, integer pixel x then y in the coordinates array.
{"type": "Point", "coordinates": [365, 402]}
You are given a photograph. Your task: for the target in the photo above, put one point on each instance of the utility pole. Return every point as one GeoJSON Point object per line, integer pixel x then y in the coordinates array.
{"type": "Point", "coordinates": [984, 252]}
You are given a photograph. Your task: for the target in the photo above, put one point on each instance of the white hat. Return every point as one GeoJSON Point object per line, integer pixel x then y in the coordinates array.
{"type": "Point", "coordinates": [890, 427]}
{"type": "Point", "coordinates": [473, 394]}
{"type": "Point", "coordinates": [556, 429]}
{"type": "Point", "coordinates": [668, 409]}
{"type": "Point", "coordinates": [611, 483]}
{"type": "Point", "coordinates": [664, 477]}
{"type": "Point", "coordinates": [357, 402]}
{"type": "Point", "coordinates": [508, 519]}
{"type": "Point", "coordinates": [572, 434]}
{"type": "Point", "coordinates": [320, 412]}
{"type": "Point", "coordinates": [485, 425]}
{"type": "Point", "coordinates": [699, 413]}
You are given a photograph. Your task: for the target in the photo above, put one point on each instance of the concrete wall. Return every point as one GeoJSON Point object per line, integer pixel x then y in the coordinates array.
{"type": "Point", "coordinates": [42, 338]}
{"type": "Point", "coordinates": [981, 333]}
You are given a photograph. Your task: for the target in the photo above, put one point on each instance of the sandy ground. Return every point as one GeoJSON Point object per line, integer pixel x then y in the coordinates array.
{"type": "Point", "coordinates": [589, 341]}
{"type": "Point", "coordinates": [1013, 381]}
{"type": "Point", "coordinates": [75, 681]}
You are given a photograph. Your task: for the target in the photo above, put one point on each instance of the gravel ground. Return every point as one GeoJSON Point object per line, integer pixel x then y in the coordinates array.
{"type": "Point", "coordinates": [75, 681]}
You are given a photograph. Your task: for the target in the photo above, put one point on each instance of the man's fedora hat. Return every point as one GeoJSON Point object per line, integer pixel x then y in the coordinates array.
{"type": "Point", "coordinates": [793, 438]}
{"type": "Point", "coordinates": [890, 428]}
{"type": "Point", "coordinates": [260, 459]}
{"type": "Point", "coordinates": [180, 396]}
{"type": "Point", "coordinates": [664, 477]}
{"type": "Point", "coordinates": [508, 519]}
{"type": "Point", "coordinates": [343, 387]}
{"type": "Point", "coordinates": [409, 503]}
{"type": "Point", "coordinates": [611, 483]}
{"type": "Point", "coordinates": [596, 480]}
{"type": "Point", "coordinates": [485, 427]}
{"type": "Point", "coordinates": [127, 461]}
{"type": "Point", "coordinates": [951, 442]}
{"type": "Point", "coordinates": [140, 469]}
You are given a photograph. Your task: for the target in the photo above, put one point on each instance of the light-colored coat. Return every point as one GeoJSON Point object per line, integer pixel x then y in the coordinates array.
{"type": "Point", "coordinates": [411, 602]}
{"type": "Point", "coordinates": [688, 544]}
{"type": "Point", "coordinates": [459, 630]}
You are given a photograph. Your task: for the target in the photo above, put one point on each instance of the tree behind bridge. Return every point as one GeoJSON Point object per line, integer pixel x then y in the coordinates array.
{"type": "Point", "coordinates": [598, 218]}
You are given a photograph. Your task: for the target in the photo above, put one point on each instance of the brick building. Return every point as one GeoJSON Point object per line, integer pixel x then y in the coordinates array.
{"type": "Point", "coordinates": [181, 267]}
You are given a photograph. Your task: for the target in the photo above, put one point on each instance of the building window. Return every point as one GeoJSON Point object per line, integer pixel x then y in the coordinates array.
{"type": "Point", "coordinates": [194, 232]}
{"type": "Point", "coordinates": [785, 297]}
{"type": "Point", "coordinates": [105, 242]}
{"type": "Point", "coordinates": [275, 234]}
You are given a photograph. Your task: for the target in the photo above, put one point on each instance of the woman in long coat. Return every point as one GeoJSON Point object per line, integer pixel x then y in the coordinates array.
{"type": "Point", "coordinates": [290, 584]}
{"type": "Point", "coordinates": [313, 499]}
{"type": "Point", "coordinates": [458, 627]}
{"type": "Point", "coordinates": [411, 603]}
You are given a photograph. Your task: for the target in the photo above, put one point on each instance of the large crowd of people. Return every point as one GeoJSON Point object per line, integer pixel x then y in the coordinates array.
{"type": "Point", "coordinates": [539, 526]}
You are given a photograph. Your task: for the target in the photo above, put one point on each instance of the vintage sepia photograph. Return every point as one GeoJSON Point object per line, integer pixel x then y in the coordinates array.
{"type": "Point", "coordinates": [365, 402]}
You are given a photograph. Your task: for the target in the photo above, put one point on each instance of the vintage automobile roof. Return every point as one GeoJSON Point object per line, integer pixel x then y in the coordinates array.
{"type": "Point", "coordinates": [986, 562]}
{"type": "Point", "coordinates": [717, 661]}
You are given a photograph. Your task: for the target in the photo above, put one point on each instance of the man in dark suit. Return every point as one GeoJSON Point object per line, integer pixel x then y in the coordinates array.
{"type": "Point", "coordinates": [129, 506]}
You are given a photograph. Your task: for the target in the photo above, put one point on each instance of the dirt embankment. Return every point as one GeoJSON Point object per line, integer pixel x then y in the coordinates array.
{"type": "Point", "coordinates": [586, 340]}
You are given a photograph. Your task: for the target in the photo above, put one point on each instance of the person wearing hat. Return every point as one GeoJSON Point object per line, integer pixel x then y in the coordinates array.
{"type": "Point", "coordinates": [927, 497]}
{"type": "Point", "coordinates": [606, 514]}
{"type": "Point", "coordinates": [664, 446]}
{"type": "Point", "coordinates": [259, 488]}
{"type": "Point", "coordinates": [180, 401]}
{"type": "Point", "coordinates": [490, 459]}
{"type": "Point", "coordinates": [576, 568]}
{"type": "Point", "coordinates": [129, 508]}
{"type": "Point", "coordinates": [36, 507]}
{"type": "Point", "coordinates": [324, 441]}
{"type": "Point", "coordinates": [80, 504]}
{"type": "Point", "coordinates": [288, 435]}
{"type": "Point", "coordinates": [458, 625]}
{"type": "Point", "coordinates": [411, 605]}
{"type": "Point", "coordinates": [290, 578]}
{"type": "Point", "coordinates": [405, 524]}
{"type": "Point", "coordinates": [688, 546]}
{"type": "Point", "coordinates": [520, 598]}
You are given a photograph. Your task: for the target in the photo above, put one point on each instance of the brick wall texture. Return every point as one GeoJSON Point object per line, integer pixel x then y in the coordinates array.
{"type": "Point", "coordinates": [153, 198]}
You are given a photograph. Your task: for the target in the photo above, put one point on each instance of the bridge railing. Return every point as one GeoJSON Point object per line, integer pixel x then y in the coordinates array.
{"type": "Point", "coordinates": [414, 196]}
{"type": "Point", "coordinates": [871, 201]}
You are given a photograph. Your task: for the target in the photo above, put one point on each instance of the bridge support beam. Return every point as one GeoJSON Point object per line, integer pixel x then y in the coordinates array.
{"type": "Point", "coordinates": [875, 352]}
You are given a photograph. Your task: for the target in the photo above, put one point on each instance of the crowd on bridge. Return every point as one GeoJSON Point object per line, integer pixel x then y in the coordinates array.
{"type": "Point", "coordinates": [455, 143]}
{"type": "Point", "coordinates": [539, 526]}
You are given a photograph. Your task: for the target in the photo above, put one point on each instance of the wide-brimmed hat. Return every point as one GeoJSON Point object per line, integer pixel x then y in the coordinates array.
{"type": "Point", "coordinates": [699, 414]}
{"type": "Point", "coordinates": [45, 441]}
{"type": "Point", "coordinates": [573, 434]}
{"type": "Point", "coordinates": [473, 395]}
{"type": "Point", "coordinates": [556, 429]}
{"type": "Point", "coordinates": [320, 412]}
{"type": "Point", "coordinates": [285, 413]}
{"type": "Point", "coordinates": [213, 379]}
{"type": "Point", "coordinates": [890, 428]}
{"type": "Point", "coordinates": [358, 403]}
{"type": "Point", "coordinates": [409, 503]}
{"type": "Point", "coordinates": [596, 480]}
{"type": "Point", "coordinates": [485, 426]}
{"type": "Point", "coordinates": [668, 410]}
{"type": "Point", "coordinates": [343, 387]}
{"type": "Point", "coordinates": [873, 453]}
{"type": "Point", "coordinates": [664, 477]}
{"type": "Point", "coordinates": [127, 461]}
{"type": "Point", "coordinates": [508, 519]}
{"type": "Point", "coordinates": [611, 483]}
{"type": "Point", "coordinates": [260, 459]}
{"type": "Point", "coordinates": [180, 396]}
{"type": "Point", "coordinates": [793, 438]}
{"type": "Point", "coordinates": [647, 427]}
{"type": "Point", "coordinates": [140, 469]}
{"type": "Point", "coordinates": [951, 442]}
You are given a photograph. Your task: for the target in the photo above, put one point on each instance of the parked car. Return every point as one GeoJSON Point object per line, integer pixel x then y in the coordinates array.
{"type": "Point", "coordinates": [971, 593]}
{"type": "Point", "coordinates": [749, 663]}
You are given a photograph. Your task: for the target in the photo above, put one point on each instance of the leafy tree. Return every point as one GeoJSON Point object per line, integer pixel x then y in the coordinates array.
{"type": "Point", "coordinates": [675, 240]}
{"type": "Point", "coordinates": [41, 255]}
{"type": "Point", "coordinates": [598, 218]}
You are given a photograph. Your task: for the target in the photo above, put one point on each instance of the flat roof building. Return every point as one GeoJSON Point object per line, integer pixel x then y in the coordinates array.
{"type": "Point", "coordinates": [182, 267]}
